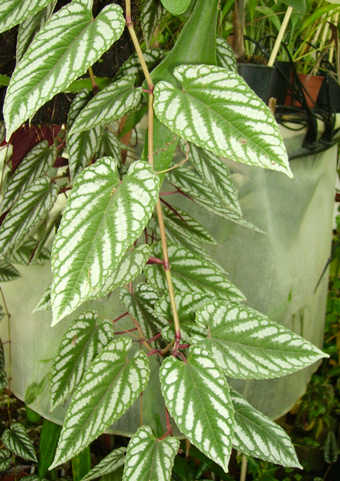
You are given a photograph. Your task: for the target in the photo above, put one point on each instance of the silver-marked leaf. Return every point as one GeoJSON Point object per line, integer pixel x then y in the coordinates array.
{"type": "Point", "coordinates": [62, 51]}
{"type": "Point", "coordinates": [127, 270]}
{"type": "Point", "coordinates": [148, 458]}
{"type": "Point", "coordinates": [197, 396]}
{"type": "Point", "coordinates": [16, 440]}
{"type": "Point", "coordinates": [79, 346]}
{"type": "Point", "coordinates": [2, 132]}
{"type": "Point", "coordinates": [8, 272]}
{"type": "Point", "coordinates": [110, 463]}
{"type": "Point", "coordinates": [5, 459]}
{"type": "Point", "coordinates": [34, 477]}
{"type": "Point", "coordinates": [24, 255]}
{"type": "Point", "coordinates": [27, 214]}
{"type": "Point", "coordinates": [217, 110]}
{"type": "Point", "coordinates": [44, 303]}
{"type": "Point", "coordinates": [78, 103]}
{"type": "Point", "coordinates": [109, 145]}
{"type": "Point", "coordinates": [33, 166]}
{"type": "Point", "coordinates": [151, 14]}
{"type": "Point", "coordinates": [248, 345]}
{"type": "Point", "coordinates": [191, 273]}
{"type": "Point", "coordinates": [152, 57]}
{"type": "Point", "coordinates": [3, 379]}
{"type": "Point", "coordinates": [13, 12]}
{"type": "Point", "coordinates": [2, 314]}
{"type": "Point", "coordinates": [109, 387]}
{"type": "Point", "coordinates": [224, 55]}
{"type": "Point", "coordinates": [111, 103]}
{"type": "Point", "coordinates": [102, 219]}
{"type": "Point", "coordinates": [30, 27]}
{"type": "Point", "coordinates": [81, 148]}
{"type": "Point", "coordinates": [260, 437]}
{"type": "Point", "coordinates": [140, 306]}
{"type": "Point", "coordinates": [187, 304]}
{"type": "Point", "coordinates": [188, 328]}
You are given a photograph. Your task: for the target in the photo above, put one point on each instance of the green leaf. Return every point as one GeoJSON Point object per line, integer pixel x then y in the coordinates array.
{"type": "Point", "coordinates": [248, 345]}
{"type": "Point", "coordinates": [29, 28]}
{"type": "Point", "coordinates": [109, 145]}
{"type": "Point", "coordinates": [331, 452]}
{"type": "Point", "coordinates": [176, 7]}
{"type": "Point", "coordinates": [151, 15]}
{"type": "Point", "coordinates": [191, 273]}
{"type": "Point", "coordinates": [217, 110]}
{"type": "Point", "coordinates": [152, 57]}
{"type": "Point", "coordinates": [197, 396]}
{"type": "Point", "coordinates": [61, 52]}
{"type": "Point", "coordinates": [27, 214]}
{"type": "Point", "coordinates": [299, 5]}
{"type": "Point", "coordinates": [5, 459]}
{"type": "Point", "coordinates": [107, 465]}
{"type": "Point", "coordinates": [79, 346]}
{"type": "Point", "coordinates": [187, 304]}
{"type": "Point", "coordinates": [224, 55]}
{"type": "Point", "coordinates": [149, 458]}
{"type": "Point", "coordinates": [13, 12]}
{"type": "Point", "coordinates": [111, 103]}
{"type": "Point", "coordinates": [24, 255]}
{"type": "Point", "coordinates": [140, 305]}
{"type": "Point", "coordinates": [109, 387]}
{"type": "Point", "coordinates": [16, 440]}
{"type": "Point", "coordinates": [8, 272]}
{"type": "Point", "coordinates": [81, 464]}
{"type": "Point", "coordinates": [47, 446]}
{"type": "Point", "coordinates": [102, 219]}
{"type": "Point", "coordinates": [3, 379]}
{"type": "Point", "coordinates": [44, 303]}
{"type": "Point", "coordinates": [258, 436]}
{"type": "Point", "coordinates": [33, 166]}
{"type": "Point", "coordinates": [132, 119]}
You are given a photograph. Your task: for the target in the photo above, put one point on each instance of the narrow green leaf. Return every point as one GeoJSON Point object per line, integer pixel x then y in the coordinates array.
{"type": "Point", "coordinates": [176, 7]}
{"type": "Point", "coordinates": [258, 436]}
{"type": "Point", "coordinates": [13, 12]}
{"type": "Point", "coordinates": [110, 386]}
{"type": "Point", "coordinates": [151, 14]}
{"type": "Point", "coordinates": [107, 465]}
{"type": "Point", "coordinates": [197, 396]}
{"type": "Point", "coordinates": [191, 273]}
{"type": "Point", "coordinates": [8, 272]}
{"type": "Point", "coordinates": [61, 52]}
{"type": "Point", "coordinates": [217, 110]}
{"type": "Point", "coordinates": [16, 440]}
{"type": "Point", "coordinates": [47, 446]}
{"type": "Point", "coordinates": [81, 464]}
{"type": "Point", "coordinates": [148, 458]}
{"type": "Point", "coordinates": [27, 214]}
{"type": "Point", "coordinates": [80, 344]}
{"type": "Point", "coordinates": [102, 219]}
{"type": "Point", "coordinates": [33, 166]}
{"type": "Point", "coordinates": [5, 459]}
{"type": "Point", "coordinates": [224, 55]}
{"type": "Point", "coordinates": [132, 66]}
{"type": "Point", "coordinates": [248, 345]}
{"type": "Point", "coordinates": [24, 255]}
{"type": "Point", "coordinates": [111, 103]}
{"type": "Point", "coordinates": [44, 303]}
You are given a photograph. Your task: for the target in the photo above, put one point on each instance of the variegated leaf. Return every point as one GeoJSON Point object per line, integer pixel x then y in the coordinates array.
{"type": "Point", "coordinates": [78, 103]}
{"type": "Point", "coordinates": [2, 132]}
{"type": "Point", "coordinates": [191, 273]}
{"type": "Point", "coordinates": [131, 265]}
{"type": "Point", "coordinates": [132, 66]}
{"type": "Point", "coordinates": [224, 55]}
{"type": "Point", "coordinates": [187, 304]}
{"type": "Point", "coordinates": [149, 458]}
{"type": "Point", "coordinates": [81, 148]}
{"type": "Point", "coordinates": [197, 396]}
{"type": "Point", "coordinates": [195, 187]}
{"type": "Point", "coordinates": [110, 463]}
{"type": "Point", "coordinates": [16, 440]}
{"type": "Point", "coordinates": [44, 303]}
{"type": "Point", "coordinates": [8, 272]}
{"type": "Point", "coordinates": [260, 437]}
{"type": "Point", "coordinates": [103, 217]}
{"type": "Point", "coordinates": [5, 459]}
{"type": "Point", "coordinates": [79, 346]}
{"type": "Point", "coordinates": [24, 255]}
{"type": "Point", "coordinates": [109, 146]}
{"type": "Point", "coordinates": [27, 214]}
{"type": "Point", "coordinates": [248, 345]}
{"type": "Point", "coordinates": [109, 387]}
{"type": "Point", "coordinates": [33, 166]}
{"type": "Point", "coordinates": [188, 328]}
{"type": "Point", "coordinates": [13, 12]}
{"type": "Point", "coordinates": [62, 51]}
{"type": "Point", "coordinates": [217, 110]}
{"type": "Point", "coordinates": [140, 305]}
{"type": "Point", "coordinates": [2, 314]}
{"type": "Point", "coordinates": [111, 103]}
{"type": "Point", "coordinates": [3, 379]}
{"type": "Point", "coordinates": [30, 27]}
{"type": "Point", "coordinates": [151, 14]}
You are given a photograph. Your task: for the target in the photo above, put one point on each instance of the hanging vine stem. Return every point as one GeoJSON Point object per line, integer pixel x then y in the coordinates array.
{"type": "Point", "coordinates": [166, 264]}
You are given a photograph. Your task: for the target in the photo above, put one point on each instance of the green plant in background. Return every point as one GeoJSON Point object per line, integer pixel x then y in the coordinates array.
{"type": "Point", "coordinates": [183, 315]}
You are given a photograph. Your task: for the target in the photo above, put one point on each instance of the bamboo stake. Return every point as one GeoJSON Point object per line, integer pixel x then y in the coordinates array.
{"type": "Point", "coordinates": [280, 36]}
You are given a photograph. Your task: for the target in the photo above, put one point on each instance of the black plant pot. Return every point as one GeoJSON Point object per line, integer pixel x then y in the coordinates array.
{"type": "Point", "coordinates": [258, 77]}
{"type": "Point", "coordinates": [280, 81]}
{"type": "Point", "coordinates": [329, 95]}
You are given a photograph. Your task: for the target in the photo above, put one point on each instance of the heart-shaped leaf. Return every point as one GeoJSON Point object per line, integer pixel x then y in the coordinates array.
{"type": "Point", "coordinates": [102, 219]}
{"type": "Point", "coordinates": [148, 458]}
{"type": "Point", "coordinates": [5, 459]}
{"type": "Point", "coordinates": [16, 440]}
{"type": "Point", "coordinates": [13, 12]}
{"type": "Point", "coordinates": [62, 51]}
{"type": "Point", "coordinates": [217, 110]}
